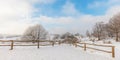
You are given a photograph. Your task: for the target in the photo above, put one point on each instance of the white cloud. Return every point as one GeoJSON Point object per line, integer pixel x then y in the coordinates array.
{"type": "Point", "coordinates": [113, 10]}
{"type": "Point", "coordinates": [98, 4]}
{"type": "Point", "coordinates": [14, 15]}
{"type": "Point", "coordinates": [58, 30]}
{"type": "Point", "coordinates": [113, 1]}
{"type": "Point", "coordinates": [83, 22]}
{"type": "Point", "coordinates": [13, 27]}
{"type": "Point", "coordinates": [42, 1]}
{"type": "Point", "coordinates": [69, 9]}
{"type": "Point", "coordinates": [70, 24]}
{"type": "Point", "coordinates": [15, 8]}
{"type": "Point", "coordinates": [54, 20]}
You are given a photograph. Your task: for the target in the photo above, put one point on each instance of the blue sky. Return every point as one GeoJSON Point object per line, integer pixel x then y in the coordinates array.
{"type": "Point", "coordinates": [57, 16]}
{"type": "Point", "coordinates": [81, 6]}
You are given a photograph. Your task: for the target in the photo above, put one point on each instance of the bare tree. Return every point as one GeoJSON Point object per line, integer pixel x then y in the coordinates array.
{"type": "Point", "coordinates": [98, 30]}
{"type": "Point", "coordinates": [88, 34]}
{"type": "Point", "coordinates": [35, 33]}
{"type": "Point", "coordinates": [56, 36]}
{"type": "Point", "coordinates": [114, 26]}
{"type": "Point", "coordinates": [108, 31]}
{"type": "Point", "coordinates": [77, 34]}
{"type": "Point", "coordinates": [66, 35]}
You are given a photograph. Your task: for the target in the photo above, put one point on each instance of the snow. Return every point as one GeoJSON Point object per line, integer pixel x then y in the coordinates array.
{"type": "Point", "coordinates": [62, 52]}
{"type": "Point", "coordinates": [11, 38]}
{"type": "Point", "coordinates": [116, 44]}
{"type": "Point", "coordinates": [117, 50]}
{"type": "Point", "coordinates": [117, 53]}
{"type": "Point", "coordinates": [59, 52]}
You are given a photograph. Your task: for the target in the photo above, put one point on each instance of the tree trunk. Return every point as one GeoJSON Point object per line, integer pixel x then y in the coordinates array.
{"type": "Point", "coordinates": [38, 44]}
{"type": "Point", "coordinates": [99, 37]}
{"type": "Point", "coordinates": [117, 37]}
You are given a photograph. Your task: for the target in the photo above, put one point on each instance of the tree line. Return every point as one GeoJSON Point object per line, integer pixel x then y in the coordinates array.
{"type": "Point", "coordinates": [103, 30]}
{"type": "Point", "coordinates": [38, 32]}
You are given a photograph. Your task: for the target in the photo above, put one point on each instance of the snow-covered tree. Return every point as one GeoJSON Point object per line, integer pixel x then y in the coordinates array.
{"type": "Point", "coordinates": [56, 36]}
{"type": "Point", "coordinates": [88, 34]}
{"type": "Point", "coordinates": [114, 26]}
{"type": "Point", "coordinates": [66, 35]}
{"type": "Point", "coordinates": [36, 32]}
{"type": "Point", "coordinates": [99, 30]}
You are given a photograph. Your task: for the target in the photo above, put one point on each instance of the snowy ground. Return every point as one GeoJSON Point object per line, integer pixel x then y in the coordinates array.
{"type": "Point", "coordinates": [116, 44]}
{"type": "Point", "coordinates": [117, 50]}
{"type": "Point", "coordinates": [62, 52]}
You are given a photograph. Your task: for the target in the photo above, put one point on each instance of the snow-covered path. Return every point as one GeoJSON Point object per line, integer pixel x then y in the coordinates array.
{"type": "Point", "coordinates": [64, 52]}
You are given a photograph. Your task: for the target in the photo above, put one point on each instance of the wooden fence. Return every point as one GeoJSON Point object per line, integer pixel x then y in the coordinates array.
{"type": "Point", "coordinates": [12, 43]}
{"type": "Point", "coordinates": [85, 46]}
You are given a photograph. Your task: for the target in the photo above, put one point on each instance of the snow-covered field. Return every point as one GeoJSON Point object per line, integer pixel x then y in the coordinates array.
{"type": "Point", "coordinates": [62, 52]}
{"type": "Point", "coordinates": [58, 52]}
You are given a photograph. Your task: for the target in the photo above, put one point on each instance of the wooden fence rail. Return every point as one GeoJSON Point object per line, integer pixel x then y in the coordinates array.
{"type": "Point", "coordinates": [12, 43]}
{"type": "Point", "coordinates": [85, 46]}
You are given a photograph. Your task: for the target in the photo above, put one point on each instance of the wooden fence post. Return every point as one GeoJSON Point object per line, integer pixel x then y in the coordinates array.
{"type": "Point", "coordinates": [84, 46]}
{"type": "Point", "coordinates": [113, 51]}
{"type": "Point", "coordinates": [12, 42]}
